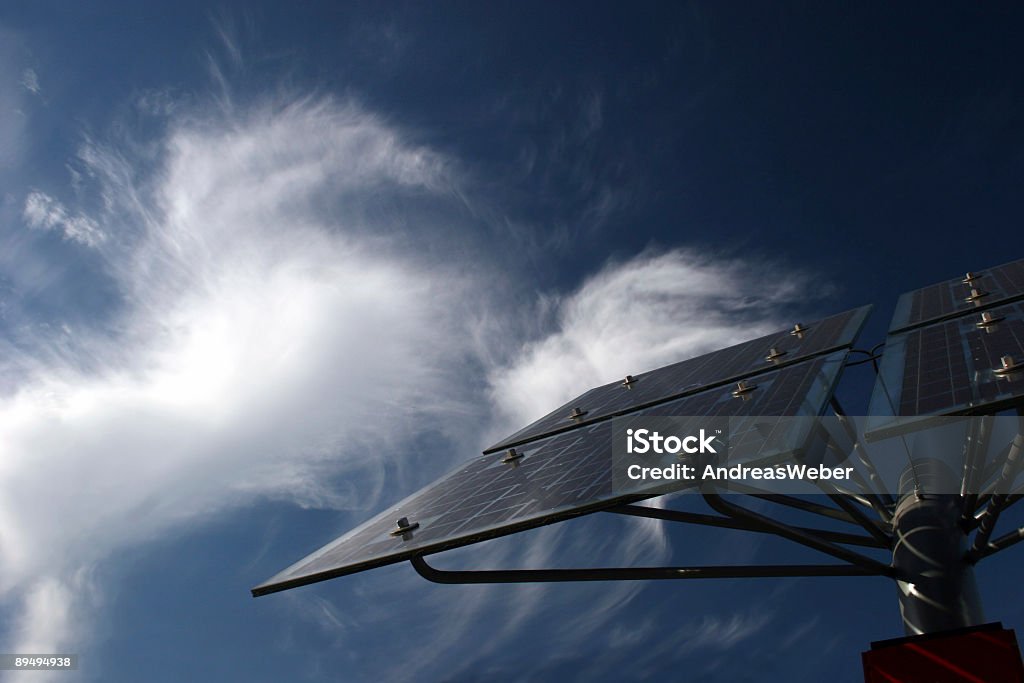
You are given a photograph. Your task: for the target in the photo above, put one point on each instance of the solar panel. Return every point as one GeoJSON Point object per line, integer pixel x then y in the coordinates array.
{"type": "Point", "coordinates": [954, 367]}
{"type": "Point", "coordinates": [967, 293]}
{"type": "Point", "coordinates": [553, 478]}
{"type": "Point", "coordinates": [695, 374]}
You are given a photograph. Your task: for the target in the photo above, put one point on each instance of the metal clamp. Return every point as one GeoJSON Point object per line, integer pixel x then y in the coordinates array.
{"type": "Point", "coordinates": [743, 388]}
{"type": "Point", "coordinates": [405, 527]}
{"type": "Point", "coordinates": [1008, 366]}
{"type": "Point", "coordinates": [989, 319]}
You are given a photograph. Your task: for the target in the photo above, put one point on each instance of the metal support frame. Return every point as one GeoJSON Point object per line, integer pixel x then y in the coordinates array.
{"type": "Point", "coordinates": [1008, 476]}
{"type": "Point", "coordinates": [987, 521]}
{"type": "Point", "coordinates": [853, 496]}
{"type": "Point", "coordinates": [629, 573]}
{"type": "Point", "coordinates": [883, 498]}
{"type": "Point", "coordinates": [867, 497]}
{"type": "Point", "coordinates": [991, 470]}
{"type": "Point", "coordinates": [925, 528]}
{"type": "Point", "coordinates": [866, 522]}
{"type": "Point", "coordinates": [793, 502]}
{"type": "Point", "coordinates": [871, 499]}
{"type": "Point", "coordinates": [745, 525]}
{"type": "Point", "coordinates": [925, 532]}
{"type": "Point", "coordinates": [1002, 543]}
{"type": "Point", "coordinates": [720, 505]}
{"type": "Point", "coordinates": [974, 464]}
{"type": "Point", "coordinates": [985, 498]}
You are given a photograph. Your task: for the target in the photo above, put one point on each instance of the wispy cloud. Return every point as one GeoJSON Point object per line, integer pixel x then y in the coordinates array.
{"type": "Point", "coordinates": [43, 212]}
{"type": "Point", "coordinates": [635, 316]}
{"type": "Point", "coordinates": [30, 81]}
{"type": "Point", "coordinates": [159, 102]}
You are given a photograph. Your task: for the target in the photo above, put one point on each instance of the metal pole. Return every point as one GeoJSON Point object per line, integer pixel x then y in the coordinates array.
{"type": "Point", "coordinates": [936, 584]}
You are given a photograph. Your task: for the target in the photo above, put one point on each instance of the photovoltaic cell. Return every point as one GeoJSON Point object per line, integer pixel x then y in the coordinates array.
{"type": "Point", "coordinates": [991, 287]}
{"type": "Point", "coordinates": [560, 476]}
{"type": "Point", "coordinates": [953, 367]}
{"type": "Point", "coordinates": [695, 374]}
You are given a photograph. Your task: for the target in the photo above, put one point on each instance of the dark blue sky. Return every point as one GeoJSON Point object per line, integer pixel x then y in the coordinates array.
{"type": "Point", "coordinates": [822, 157]}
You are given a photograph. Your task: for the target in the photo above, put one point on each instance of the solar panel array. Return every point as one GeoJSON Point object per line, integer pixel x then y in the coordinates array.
{"type": "Point", "coordinates": [556, 477]}
{"type": "Point", "coordinates": [695, 374]}
{"type": "Point", "coordinates": [954, 367]}
{"type": "Point", "coordinates": [954, 348]}
{"type": "Point", "coordinates": [971, 292]}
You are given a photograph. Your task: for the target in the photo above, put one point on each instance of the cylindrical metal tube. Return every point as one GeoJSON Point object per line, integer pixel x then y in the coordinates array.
{"type": "Point", "coordinates": [937, 591]}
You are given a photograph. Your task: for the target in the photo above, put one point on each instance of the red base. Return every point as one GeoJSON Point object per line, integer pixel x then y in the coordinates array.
{"type": "Point", "coordinates": [980, 654]}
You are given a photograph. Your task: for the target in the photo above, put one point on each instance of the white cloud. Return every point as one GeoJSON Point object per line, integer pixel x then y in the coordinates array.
{"type": "Point", "coordinates": [30, 81]}
{"type": "Point", "coordinates": [158, 102]}
{"type": "Point", "coordinates": [43, 212]}
{"type": "Point", "coordinates": [262, 345]}
{"type": "Point", "coordinates": [635, 316]}
{"type": "Point", "coordinates": [48, 612]}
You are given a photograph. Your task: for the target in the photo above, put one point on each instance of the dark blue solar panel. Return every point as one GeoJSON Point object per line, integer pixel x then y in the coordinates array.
{"type": "Point", "coordinates": [954, 367]}
{"type": "Point", "coordinates": [968, 293]}
{"type": "Point", "coordinates": [695, 374]}
{"type": "Point", "coordinates": [557, 477]}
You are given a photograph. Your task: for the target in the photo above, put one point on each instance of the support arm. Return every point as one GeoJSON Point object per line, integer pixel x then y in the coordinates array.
{"type": "Point", "coordinates": [987, 521]}
{"type": "Point", "coordinates": [744, 525]}
{"type": "Point", "coordinates": [628, 574]}
{"type": "Point", "coordinates": [1002, 543]}
{"type": "Point", "coordinates": [720, 505]}
{"type": "Point", "coordinates": [884, 499]}
{"type": "Point", "coordinates": [793, 502]}
{"type": "Point", "coordinates": [974, 464]}
{"type": "Point", "coordinates": [866, 522]}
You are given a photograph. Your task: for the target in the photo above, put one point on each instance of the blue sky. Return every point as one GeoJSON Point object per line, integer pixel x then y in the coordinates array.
{"type": "Point", "coordinates": [265, 270]}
